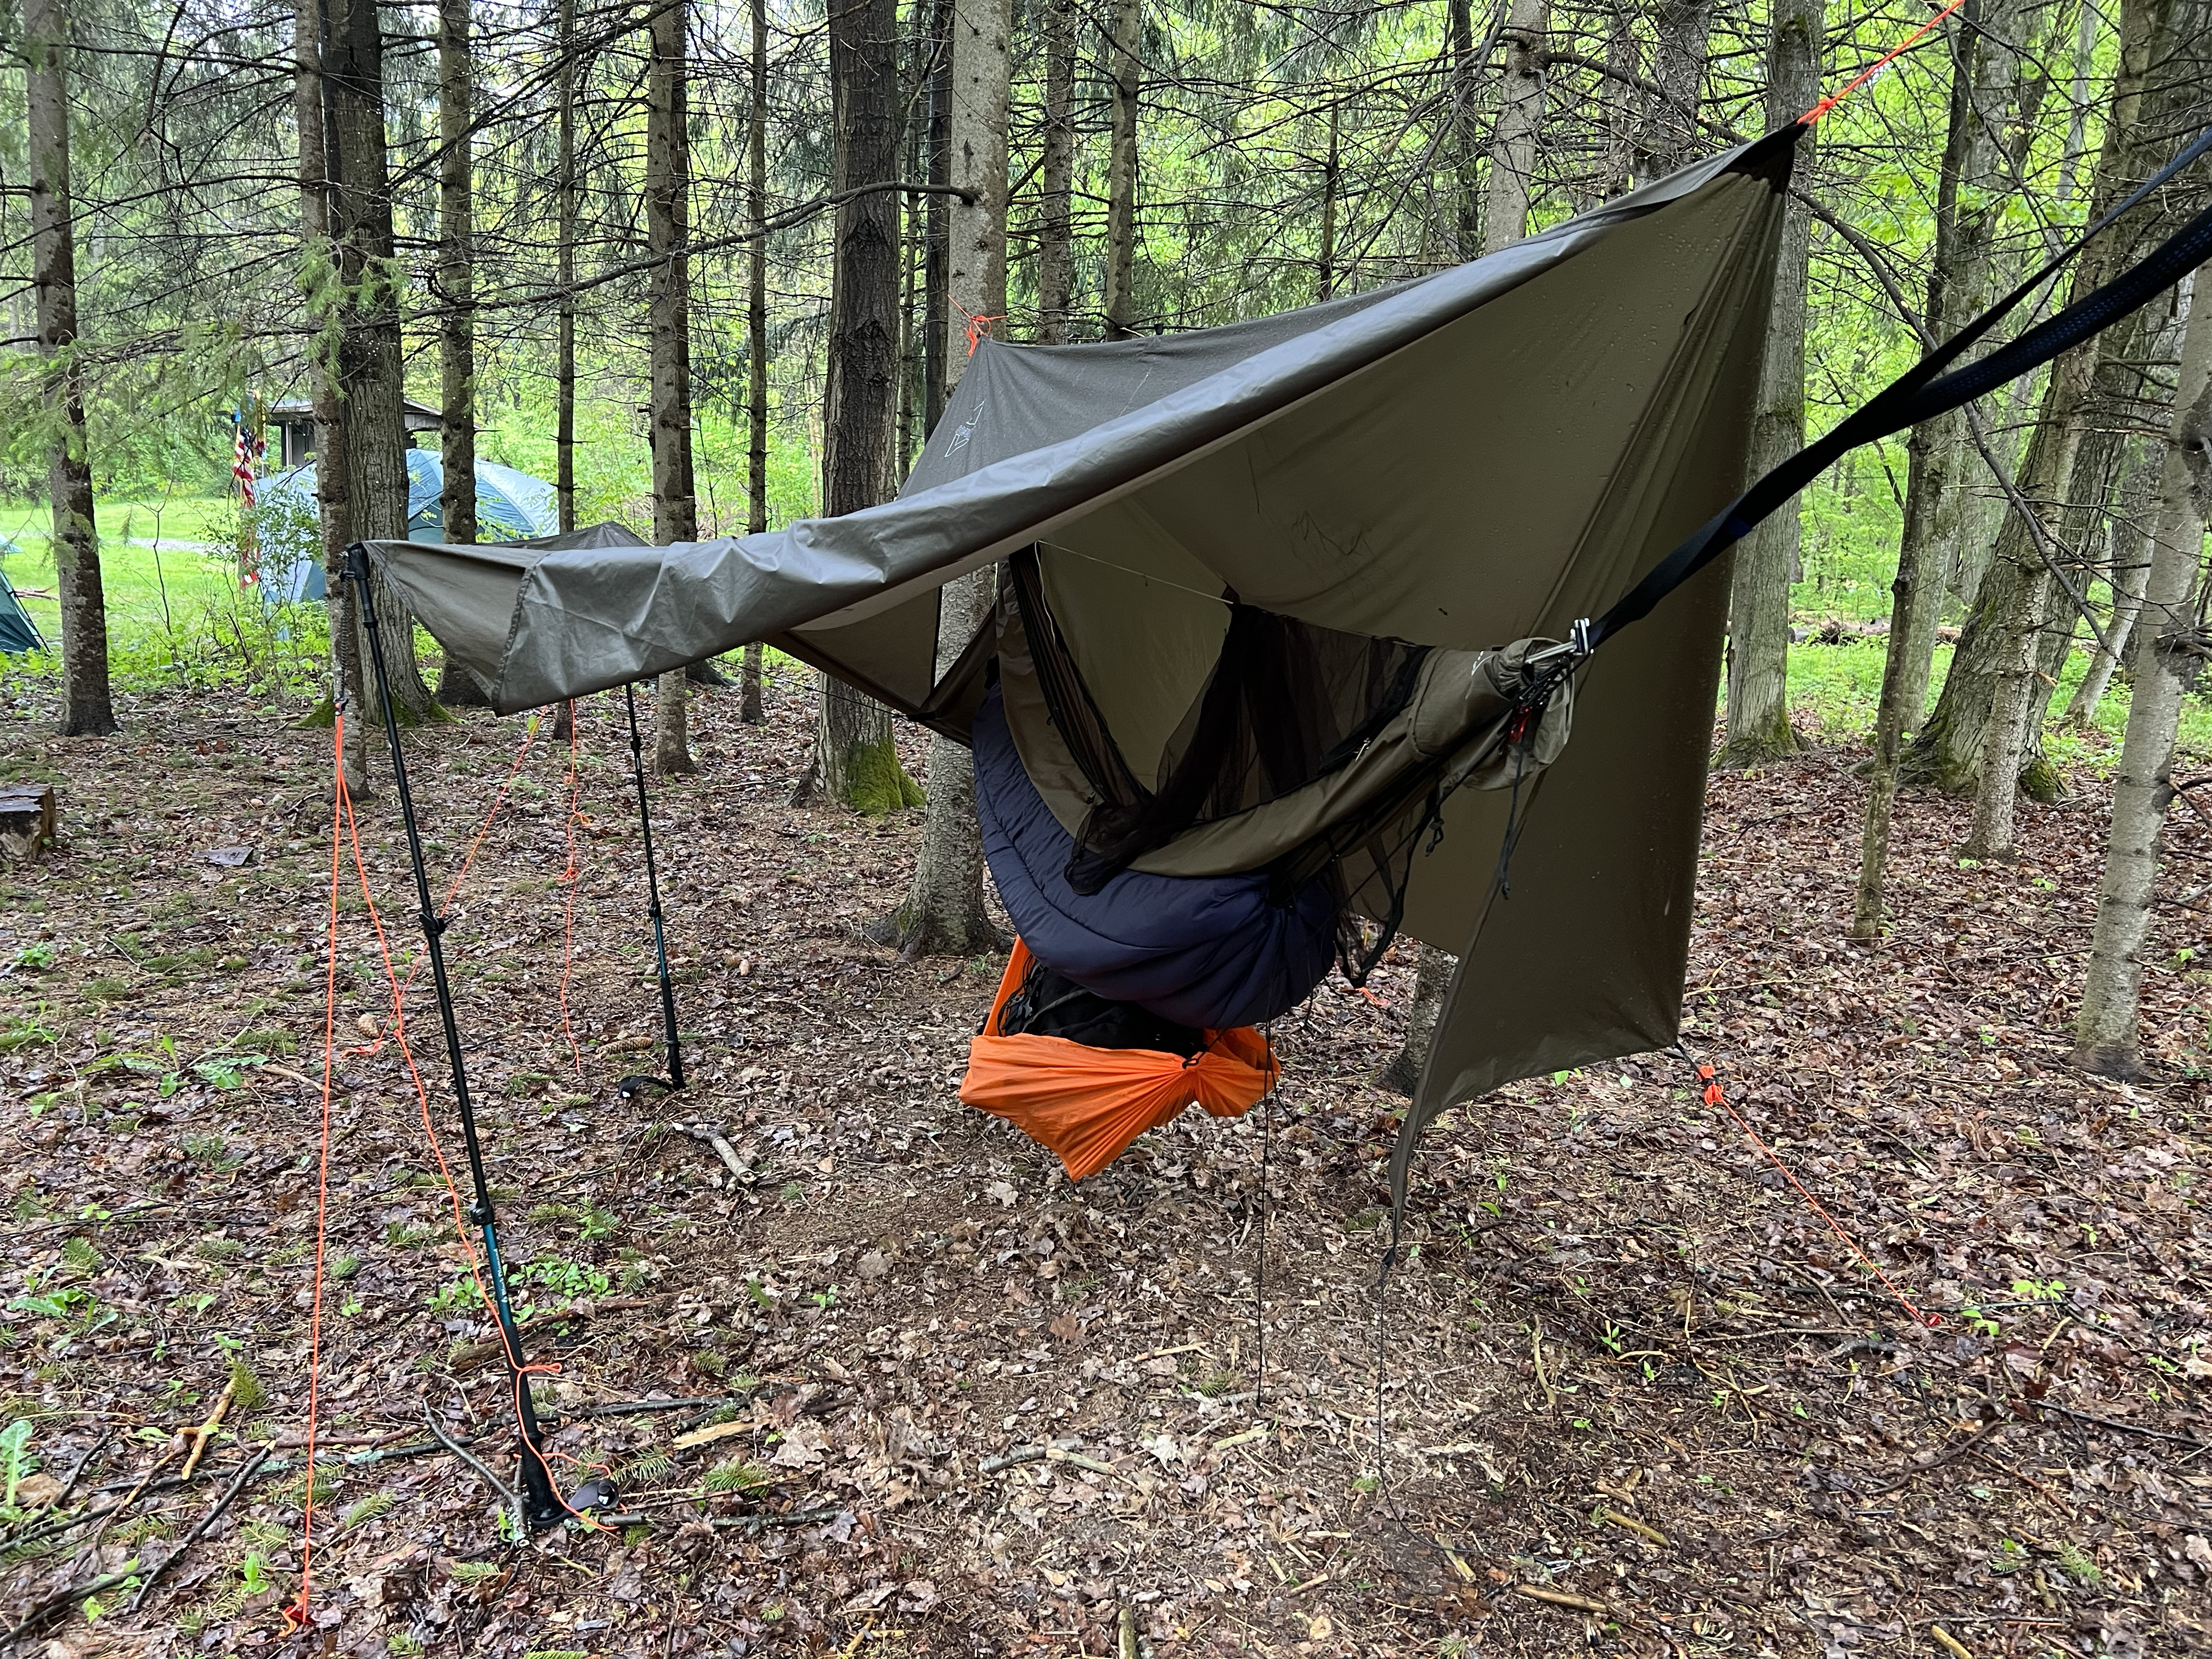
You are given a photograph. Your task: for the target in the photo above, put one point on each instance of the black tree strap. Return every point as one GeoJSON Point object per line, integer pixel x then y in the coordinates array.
{"type": "Point", "coordinates": [1924, 391]}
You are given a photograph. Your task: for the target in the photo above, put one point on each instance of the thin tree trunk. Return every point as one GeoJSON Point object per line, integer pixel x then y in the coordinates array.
{"type": "Point", "coordinates": [88, 709]}
{"type": "Point", "coordinates": [2127, 566]}
{"type": "Point", "coordinates": [1332, 181]}
{"type": "Point", "coordinates": [1520, 120]}
{"type": "Point", "coordinates": [371, 369]}
{"type": "Point", "coordinates": [1624, 57]}
{"type": "Point", "coordinates": [311, 122]}
{"type": "Point", "coordinates": [667, 224]}
{"type": "Point", "coordinates": [457, 308]}
{"type": "Point", "coordinates": [1432, 978]}
{"type": "Point", "coordinates": [943, 913]}
{"type": "Point", "coordinates": [1464, 146]}
{"type": "Point", "coordinates": [564, 369]}
{"type": "Point", "coordinates": [2169, 652]}
{"type": "Point", "coordinates": [1056, 222]}
{"type": "Point", "coordinates": [1121, 171]}
{"type": "Point", "coordinates": [1670, 116]}
{"type": "Point", "coordinates": [1767, 565]}
{"type": "Point", "coordinates": [937, 259]}
{"type": "Point", "coordinates": [748, 677]}
{"type": "Point", "coordinates": [855, 760]}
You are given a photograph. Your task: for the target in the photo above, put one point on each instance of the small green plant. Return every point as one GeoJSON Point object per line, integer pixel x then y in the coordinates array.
{"type": "Point", "coordinates": [2076, 1564]}
{"type": "Point", "coordinates": [16, 1460]}
{"type": "Point", "coordinates": [401, 1644]}
{"type": "Point", "coordinates": [22, 1030]}
{"type": "Point", "coordinates": [80, 1255]}
{"type": "Point", "coordinates": [2039, 1290]}
{"type": "Point", "coordinates": [646, 1469]}
{"type": "Point", "coordinates": [217, 1247]}
{"type": "Point", "coordinates": [735, 1475]}
{"type": "Point", "coordinates": [474, 1572]}
{"type": "Point", "coordinates": [361, 1514]}
{"type": "Point", "coordinates": [37, 957]}
{"type": "Point", "coordinates": [246, 1394]}
{"type": "Point", "coordinates": [2009, 1556]}
{"type": "Point", "coordinates": [1978, 1321]}
{"type": "Point", "coordinates": [1214, 1384]}
{"type": "Point", "coordinates": [253, 1573]}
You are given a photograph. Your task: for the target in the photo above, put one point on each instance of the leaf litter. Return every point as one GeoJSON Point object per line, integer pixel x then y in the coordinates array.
{"type": "Point", "coordinates": [882, 1381]}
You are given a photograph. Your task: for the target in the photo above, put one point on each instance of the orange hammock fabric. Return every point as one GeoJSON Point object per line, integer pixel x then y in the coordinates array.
{"type": "Point", "coordinates": [1087, 1104]}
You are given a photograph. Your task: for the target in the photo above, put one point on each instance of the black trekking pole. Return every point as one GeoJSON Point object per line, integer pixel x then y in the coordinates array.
{"type": "Point", "coordinates": [675, 1079]}
{"type": "Point", "coordinates": [542, 1505]}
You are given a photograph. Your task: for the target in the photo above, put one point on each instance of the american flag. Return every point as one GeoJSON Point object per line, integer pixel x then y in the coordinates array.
{"type": "Point", "coordinates": [244, 454]}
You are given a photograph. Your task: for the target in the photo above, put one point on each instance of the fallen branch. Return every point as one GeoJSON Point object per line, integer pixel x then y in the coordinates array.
{"type": "Point", "coordinates": [763, 1522]}
{"type": "Point", "coordinates": [505, 1494]}
{"type": "Point", "coordinates": [723, 1150]}
{"type": "Point", "coordinates": [1561, 1599]}
{"type": "Point", "coordinates": [205, 1432]}
{"type": "Point", "coordinates": [230, 1497]}
{"type": "Point", "coordinates": [1939, 1460]}
{"type": "Point", "coordinates": [1021, 1455]}
{"type": "Point", "coordinates": [2116, 1423]}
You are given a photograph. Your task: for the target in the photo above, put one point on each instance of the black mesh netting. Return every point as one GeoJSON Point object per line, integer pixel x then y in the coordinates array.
{"type": "Point", "coordinates": [1287, 703]}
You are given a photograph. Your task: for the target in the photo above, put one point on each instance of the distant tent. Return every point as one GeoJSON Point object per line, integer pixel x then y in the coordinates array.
{"type": "Point", "coordinates": [511, 507]}
{"type": "Point", "coordinates": [18, 633]}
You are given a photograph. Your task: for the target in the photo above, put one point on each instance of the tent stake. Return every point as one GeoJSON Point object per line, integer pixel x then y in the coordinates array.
{"type": "Point", "coordinates": [652, 896]}
{"type": "Point", "coordinates": [542, 1505]}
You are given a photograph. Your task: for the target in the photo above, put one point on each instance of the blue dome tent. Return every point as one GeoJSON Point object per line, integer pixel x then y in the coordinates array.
{"type": "Point", "coordinates": [511, 507]}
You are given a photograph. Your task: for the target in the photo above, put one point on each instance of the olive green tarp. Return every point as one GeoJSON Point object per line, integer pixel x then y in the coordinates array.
{"type": "Point", "coordinates": [1474, 457]}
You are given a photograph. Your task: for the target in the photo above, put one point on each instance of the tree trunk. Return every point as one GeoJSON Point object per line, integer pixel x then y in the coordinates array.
{"type": "Point", "coordinates": [1402, 1074]}
{"type": "Point", "coordinates": [855, 760]}
{"type": "Point", "coordinates": [1056, 223]}
{"type": "Point", "coordinates": [88, 709]}
{"type": "Point", "coordinates": [564, 256]}
{"type": "Point", "coordinates": [1759, 728]}
{"type": "Point", "coordinates": [1121, 171]}
{"type": "Point", "coordinates": [1463, 147]}
{"type": "Point", "coordinates": [371, 369]}
{"type": "Point", "coordinates": [1520, 118]}
{"type": "Point", "coordinates": [943, 913]}
{"type": "Point", "coordinates": [667, 224]}
{"type": "Point", "coordinates": [2127, 566]}
{"type": "Point", "coordinates": [748, 677]}
{"type": "Point", "coordinates": [1331, 182]}
{"type": "Point", "coordinates": [310, 120]}
{"type": "Point", "coordinates": [2169, 652]}
{"type": "Point", "coordinates": [937, 258]}
{"type": "Point", "coordinates": [456, 309]}
{"type": "Point", "coordinates": [1624, 56]}
{"type": "Point", "coordinates": [1670, 116]}
{"type": "Point", "coordinates": [1953, 742]}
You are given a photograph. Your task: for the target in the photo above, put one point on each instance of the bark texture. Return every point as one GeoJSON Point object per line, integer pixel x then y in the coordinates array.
{"type": "Point", "coordinates": [88, 709]}
{"type": "Point", "coordinates": [318, 266]}
{"type": "Point", "coordinates": [372, 369]}
{"type": "Point", "coordinates": [856, 762]}
{"type": "Point", "coordinates": [1670, 114]}
{"type": "Point", "coordinates": [2170, 651]}
{"type": "Point", "coordinates": [456, 286]}
{"type": "Point", "coordinates": [1055, 210]}
{"type": "Point", "coordinates": [1465, 132]}
{"type": "Point", "coordinates": [1759, 728]}
{"type": "Point", "coordinates": [667, 224]}
{"type": "Point", "coordinates": [943, 912]}
{"type": "Point", "coordinates": [1122, 170]}
{"type": "Point", "coordinates": [1403, 1075]}
{"type": "Point", "coordinates": [749, 675]}
{"type": "Point", "coordinates": [1520, 120]}
{"type": "Point", "coordinates": [564, 258]}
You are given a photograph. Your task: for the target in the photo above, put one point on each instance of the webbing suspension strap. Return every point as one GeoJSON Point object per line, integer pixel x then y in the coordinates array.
{"type": "Point", "coordinates": [1924, 391]}
{"type": "Point", "coordinates": [543, 1505]}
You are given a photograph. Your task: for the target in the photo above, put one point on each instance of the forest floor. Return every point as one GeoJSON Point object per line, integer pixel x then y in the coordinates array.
{"type": "Point", "coordinates": [1632, 1394]}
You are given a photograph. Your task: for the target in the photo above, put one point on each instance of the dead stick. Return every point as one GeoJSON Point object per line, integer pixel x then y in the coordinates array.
{"type": "Point", "coordinates": [230, 1497]}
{"type": "Point", "coordinates": [506, 1492]}
{"type": "Point", "coordinates": [206, 1430]}
{"type": "Point", "coordinates": [1560, 1598]}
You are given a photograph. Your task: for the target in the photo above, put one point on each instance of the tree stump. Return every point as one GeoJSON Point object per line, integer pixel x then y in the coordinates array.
{"type": "Point", "coordinates": [27, 820]}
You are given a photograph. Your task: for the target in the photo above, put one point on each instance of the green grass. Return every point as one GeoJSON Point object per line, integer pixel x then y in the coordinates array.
{"type": "Point", "coordinates": [1840, 685]}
